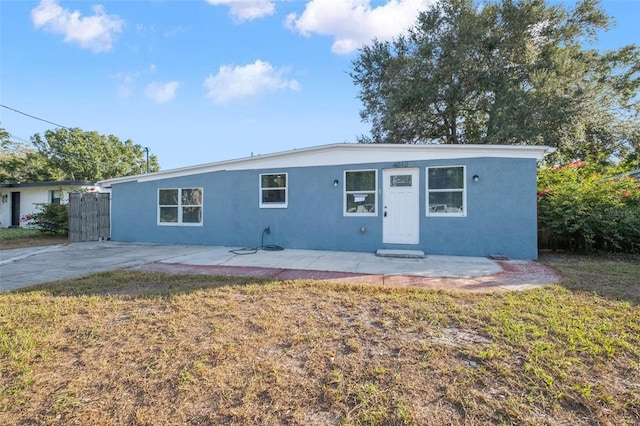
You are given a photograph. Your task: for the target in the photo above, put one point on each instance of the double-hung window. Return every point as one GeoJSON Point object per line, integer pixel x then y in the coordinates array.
{"type": "Point", "coordinates": [361, 187]}
{"type": "Point", "coordinates": [273, 190]}
{"type": "Point", "coordinates": [446, 194]}
{"type": "Point", "coordinates": [180, 206]}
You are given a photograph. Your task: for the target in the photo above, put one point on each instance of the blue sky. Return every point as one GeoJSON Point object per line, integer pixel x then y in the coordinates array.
{"type": "Point", "coordinates": [199, 81]}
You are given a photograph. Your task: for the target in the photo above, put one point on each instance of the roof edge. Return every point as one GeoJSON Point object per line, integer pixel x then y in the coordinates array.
{"type": "Point", "coordinates": [530, 151]}
{"type": "Point", "coordinates": [50, 183]}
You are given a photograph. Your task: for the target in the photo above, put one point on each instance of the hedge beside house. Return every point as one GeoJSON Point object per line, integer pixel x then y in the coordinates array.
{"type": "Point", "coordinates": [582, 209]}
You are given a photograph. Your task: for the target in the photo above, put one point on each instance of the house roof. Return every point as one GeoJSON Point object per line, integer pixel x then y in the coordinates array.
{"type": "Point", "coordinates": [50, 183]}
{"type": "Point", "coordinates": [345, 153]}
{"type": "Point", "coordinates": [634, 173]}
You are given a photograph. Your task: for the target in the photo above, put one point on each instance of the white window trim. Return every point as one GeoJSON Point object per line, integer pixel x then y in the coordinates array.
{"type": "Point", "coordinates": [286, 192]}
{"type": "Point", "coordinates": [463, 190]}
{"type": "Point", "coordinates": [180, 206]}
{"type": "Point", "coordinates": [345, 193]}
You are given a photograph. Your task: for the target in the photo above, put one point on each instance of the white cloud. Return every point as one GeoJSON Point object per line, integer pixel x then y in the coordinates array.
{"type": "Point", "coordinates": [96, 32]}
{"type": "Point", "coordinates": [127, 80]}
{"type": "Point", "coordinates": [353, 23]}
{"type": "Point", "coordinates": [161, 92]}
{"type": "Point", "coordinates": [246, 10]}
{"type": "Point", "coordinates": [247, 81]}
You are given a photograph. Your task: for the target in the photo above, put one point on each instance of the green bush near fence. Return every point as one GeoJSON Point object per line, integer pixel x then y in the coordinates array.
{"type": "Point", "coordinates": [50, 218]}
{"type": "Point", "coordinates": [581, 208]}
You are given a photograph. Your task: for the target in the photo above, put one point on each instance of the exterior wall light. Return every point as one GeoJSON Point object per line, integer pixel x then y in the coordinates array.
{"type": "Point", "coordinates": [4, 198]}
{"type": "Point", "coordinates": [476, 178]}
{"type": "Point", "coordinates": [335, 183]}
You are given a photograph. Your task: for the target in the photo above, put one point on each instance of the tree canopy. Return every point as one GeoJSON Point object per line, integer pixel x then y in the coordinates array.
{"type": "Point", "coordinates": [71, 154]}
{"type": "Point", "coordinates": [20, 162]}
{"type": "Point", "coordinates": [508, 72]}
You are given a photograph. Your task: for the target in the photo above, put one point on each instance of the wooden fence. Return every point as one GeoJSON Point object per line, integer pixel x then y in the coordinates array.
{"type": "Point", "coordinates": [89, 218]}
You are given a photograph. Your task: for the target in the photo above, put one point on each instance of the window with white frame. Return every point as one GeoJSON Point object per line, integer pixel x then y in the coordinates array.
{"type": "Point", "coordinates": [273, 190]}
{"type": "Point", "coordinates": [180, 206]}
{"type": "Point", "coordinates": [360, 189]}
{"type": "Point", "coordinates": [446, 191]}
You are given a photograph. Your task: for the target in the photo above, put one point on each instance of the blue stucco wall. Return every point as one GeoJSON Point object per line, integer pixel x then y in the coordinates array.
{"type": "Point", "coordinates": [501, 211]}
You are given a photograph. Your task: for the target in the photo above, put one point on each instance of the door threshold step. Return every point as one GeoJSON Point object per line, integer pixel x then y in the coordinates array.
{"type": "Point", "coordinates": [402, 254]}
{"type": "Point", "coordinates": [498, 257]}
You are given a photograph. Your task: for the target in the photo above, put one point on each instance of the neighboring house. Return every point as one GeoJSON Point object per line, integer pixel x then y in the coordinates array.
{"type": "Point", "coordinates": [20, 199]}
{"type": "Point", "coordinates": [467, 200]}
{"type": "Point", "coordinates": [634, 174]}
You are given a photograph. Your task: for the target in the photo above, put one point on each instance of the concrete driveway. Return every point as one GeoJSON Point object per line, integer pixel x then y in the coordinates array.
{"type": "Point", "coordinates": [25, 267]}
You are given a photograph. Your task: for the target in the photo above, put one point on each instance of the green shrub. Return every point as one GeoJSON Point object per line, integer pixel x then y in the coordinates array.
{"type": "Point", "coordinates": [51, 218]}
{"type": "Point", "coordinates": [583, 209]}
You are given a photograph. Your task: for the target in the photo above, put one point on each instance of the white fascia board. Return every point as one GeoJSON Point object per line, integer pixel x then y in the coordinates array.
{"type": "Point", "coordinates": [343, 154]}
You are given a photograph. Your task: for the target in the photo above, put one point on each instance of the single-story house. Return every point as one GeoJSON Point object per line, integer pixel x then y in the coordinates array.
{"type": "Point", "coordinates": [634, 174]}
{"type": "Point", "coordinates": [20, 199]}
{"type": "Point", "coordinates": [465, 200]}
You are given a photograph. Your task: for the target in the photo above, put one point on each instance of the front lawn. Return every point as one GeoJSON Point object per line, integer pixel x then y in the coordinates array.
{"type": "Point", "coordinates": [11, 238]}
{"type": "Point", "coordinates": [146, 348]}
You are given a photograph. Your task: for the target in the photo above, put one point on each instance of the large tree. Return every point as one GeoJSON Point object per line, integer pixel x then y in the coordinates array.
{"type": "Point", "coordinates": [80, 155]}
{"type": "Point", "coordinates": [509, 72]}
{"type": "Point", "coordinates": [20, 162]}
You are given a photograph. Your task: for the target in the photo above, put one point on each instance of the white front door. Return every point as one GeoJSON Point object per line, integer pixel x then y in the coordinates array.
{"type": "Point", "coordinates": [400, 206]}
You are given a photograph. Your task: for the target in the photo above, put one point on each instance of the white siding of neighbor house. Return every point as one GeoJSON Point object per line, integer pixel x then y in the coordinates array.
{"type": "Point", "coordinates": [30, 197]}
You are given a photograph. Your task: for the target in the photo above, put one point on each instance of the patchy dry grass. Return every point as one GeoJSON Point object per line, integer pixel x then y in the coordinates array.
{"type": "Point", "coordinates": [12, 238]}
{"type": "Point", "coordinates": [146, 348]}
{"type": "Point", "coordinates": [615, 276]}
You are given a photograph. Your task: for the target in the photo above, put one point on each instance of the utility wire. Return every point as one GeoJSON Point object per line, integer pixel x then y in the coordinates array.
{"type": "Point", "coordinates": [18, 138]}
{"type": "Point", "coordinates": [34, 117]}
{"type": "Point", "coordinates": [53, 151]}
{"type": "Point", "coordinates": [50, 150]}
{"type": "Point", "coordinates": [64, 154]}
{"type": "Point", "coordinates": [64, 127]}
